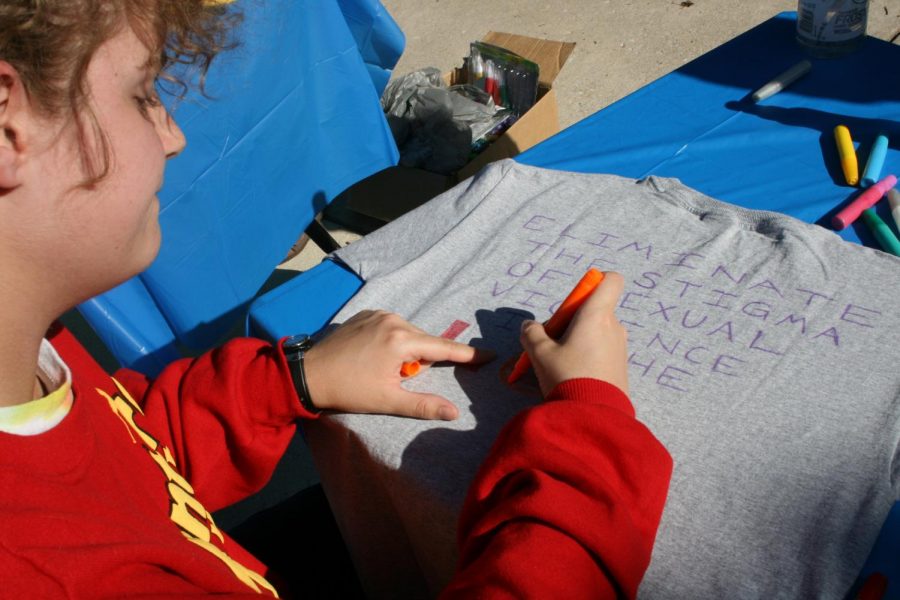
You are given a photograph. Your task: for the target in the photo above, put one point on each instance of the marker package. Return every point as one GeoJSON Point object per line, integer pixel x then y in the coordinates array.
{"type": "Point", "coordinates": [487, 124]}
{"type": "Point", "coordinates": [511, 80]}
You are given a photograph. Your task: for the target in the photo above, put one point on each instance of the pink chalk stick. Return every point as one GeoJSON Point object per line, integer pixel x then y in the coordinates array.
{"type": "Point", "coordinates": [867, 199]}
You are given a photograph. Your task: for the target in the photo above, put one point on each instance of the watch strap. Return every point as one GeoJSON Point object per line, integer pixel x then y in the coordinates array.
{"type": "Point", "coordinates": [298, 376]}
{"type": "Point", "coordinates": [303, 388]}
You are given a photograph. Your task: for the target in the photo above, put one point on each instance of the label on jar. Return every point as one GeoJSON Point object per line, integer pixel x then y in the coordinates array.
{"type": "Point", "coordinates": [827, 21]}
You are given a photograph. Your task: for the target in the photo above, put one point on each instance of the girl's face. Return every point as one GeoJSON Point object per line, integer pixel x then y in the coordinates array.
{"type": "Point", "coordinates": [93, 239]}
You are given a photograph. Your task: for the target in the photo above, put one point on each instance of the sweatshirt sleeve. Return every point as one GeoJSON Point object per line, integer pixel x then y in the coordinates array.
{"type": "Point", "coordinates": [226, 416]}
{"type": "Point", "coordinates": [567, 503]}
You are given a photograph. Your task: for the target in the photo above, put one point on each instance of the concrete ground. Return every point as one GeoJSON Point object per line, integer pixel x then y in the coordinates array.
{"type": "Point", "coordinates": [621, 45]}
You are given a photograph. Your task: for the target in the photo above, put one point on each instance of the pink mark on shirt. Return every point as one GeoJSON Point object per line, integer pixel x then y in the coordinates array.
{"type": "Point", "coordinates": [456, 328]}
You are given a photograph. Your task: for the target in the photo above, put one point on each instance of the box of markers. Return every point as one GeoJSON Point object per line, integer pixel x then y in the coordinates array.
{"type": "Point", "coordinates": [541, 120]}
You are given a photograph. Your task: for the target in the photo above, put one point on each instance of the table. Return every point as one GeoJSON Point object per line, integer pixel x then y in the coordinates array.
{"type": "Point", "coordinates": [693, 124]}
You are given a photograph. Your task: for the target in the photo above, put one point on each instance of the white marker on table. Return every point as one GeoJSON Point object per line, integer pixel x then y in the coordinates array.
{"type": "Point", "coordinates": [894, 200]}
{"type": "Point", "coordinates": [782, 81]}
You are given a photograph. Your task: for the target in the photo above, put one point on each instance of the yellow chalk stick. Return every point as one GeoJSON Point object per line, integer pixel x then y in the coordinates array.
{"type": "Point", "coordinates": [847, 154]}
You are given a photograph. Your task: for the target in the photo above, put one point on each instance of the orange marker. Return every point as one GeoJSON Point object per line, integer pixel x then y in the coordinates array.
{"type": "Point", "coordinates": [408, 369]}
{"type": "Point", "coordinates": [556, 324]}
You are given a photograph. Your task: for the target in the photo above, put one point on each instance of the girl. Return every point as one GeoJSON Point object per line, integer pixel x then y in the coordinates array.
{"type": "Point", "coordinates": [107, 483]}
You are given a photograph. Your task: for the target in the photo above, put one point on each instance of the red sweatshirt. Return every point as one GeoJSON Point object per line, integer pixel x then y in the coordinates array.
{"type": "Point", "coordinates": [116, 499]}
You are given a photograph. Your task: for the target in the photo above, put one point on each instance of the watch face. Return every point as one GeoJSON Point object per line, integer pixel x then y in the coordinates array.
{"type": "Point", "coordinates": [297, 343]}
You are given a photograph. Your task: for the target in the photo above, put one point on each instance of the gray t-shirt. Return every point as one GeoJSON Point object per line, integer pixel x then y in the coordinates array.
{"type": "Point", "coordinates": [761, 355]}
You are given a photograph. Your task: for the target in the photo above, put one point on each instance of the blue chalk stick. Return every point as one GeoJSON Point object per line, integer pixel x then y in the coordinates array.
{"type": "Point", "coordinates": [875, 161]}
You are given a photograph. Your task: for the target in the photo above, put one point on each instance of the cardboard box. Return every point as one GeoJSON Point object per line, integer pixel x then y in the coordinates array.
{"type": "Point", "coordinates": [542, 120]}
{"type": "Point", "coordinates": [386, 195]}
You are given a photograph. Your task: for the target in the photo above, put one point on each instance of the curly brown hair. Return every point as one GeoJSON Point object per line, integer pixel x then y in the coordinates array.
{"type": "Point", "coordinates": [50, 43]}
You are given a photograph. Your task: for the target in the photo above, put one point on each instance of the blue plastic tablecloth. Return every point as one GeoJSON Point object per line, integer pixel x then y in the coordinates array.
{"type": "Point", "coordinates": [698, 125]}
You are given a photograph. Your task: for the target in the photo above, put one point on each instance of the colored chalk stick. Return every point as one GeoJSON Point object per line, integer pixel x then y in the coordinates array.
{"type": "Point", "coordinates": [882, 232]}
{"type": "Point", "coordinates": [847, 153]}
{"type": "Point", "coordinates": [865, 200]}
{"type": "Point", "coordinates": [875, 161]}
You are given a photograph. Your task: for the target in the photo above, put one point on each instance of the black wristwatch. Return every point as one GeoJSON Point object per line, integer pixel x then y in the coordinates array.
{"type": "Point", "coordinates": [294, 347]}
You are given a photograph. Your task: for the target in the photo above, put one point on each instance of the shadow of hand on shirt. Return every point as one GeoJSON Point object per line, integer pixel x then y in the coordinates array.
{"type": "Point", "coordinates": [440, 463]}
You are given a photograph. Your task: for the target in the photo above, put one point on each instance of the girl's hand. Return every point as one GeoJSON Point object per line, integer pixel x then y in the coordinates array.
{"type": "Point", "coordinates": [357, 367]}
{"type": "Point", "coordinates": [594, 345]}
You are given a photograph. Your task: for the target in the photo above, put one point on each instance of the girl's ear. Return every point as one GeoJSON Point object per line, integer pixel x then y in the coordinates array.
{"type": "Point", "coordinates": [14, 112]}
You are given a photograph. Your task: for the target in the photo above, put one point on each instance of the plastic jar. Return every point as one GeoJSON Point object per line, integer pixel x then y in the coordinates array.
{"type": "Point", "coordinates": [830, 28]}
